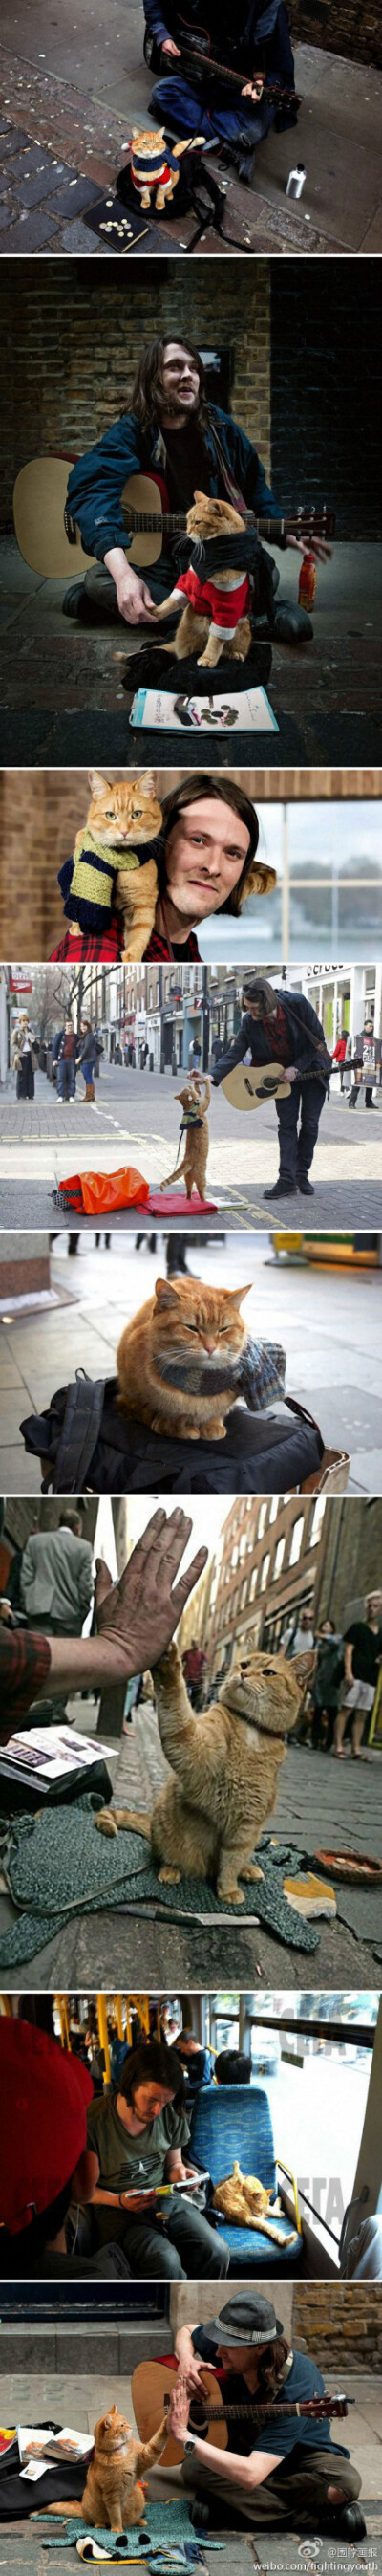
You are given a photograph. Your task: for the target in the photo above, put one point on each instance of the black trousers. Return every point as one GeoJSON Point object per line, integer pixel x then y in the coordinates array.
{"type": "Point", "coordinates": [298, 1132]}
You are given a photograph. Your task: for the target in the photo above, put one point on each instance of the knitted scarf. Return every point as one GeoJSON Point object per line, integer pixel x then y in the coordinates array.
{"type": "Point", "coordinates": [87, 881]}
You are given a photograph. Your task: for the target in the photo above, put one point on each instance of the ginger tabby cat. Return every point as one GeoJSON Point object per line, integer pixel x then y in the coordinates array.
{"type": "Point", "coordinates": [113, 2497]}
{"type": "Point", "coordinates": [243, 2199]}
{"type": "Point", "coordinates": [193, 1169]}
{"type": "Point", "coordinates": [208, 1818]}
{"type": "Point", "coordinates": [215, 615]}
{"type": "Point", "coordinates": [124, 817]}
{"type": "Point", "coordinates": [176, 1361]}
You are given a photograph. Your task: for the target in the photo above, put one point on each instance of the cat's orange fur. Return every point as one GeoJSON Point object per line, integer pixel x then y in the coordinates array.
{"type": "Point", "coordinates": [196, 1328]}
{"type": "Point", "coordinates": [112, 2498]}
{"type": "Point", "coordinates": [242, 2199]}
{"type": "Point", "coordinates": [208, 518]}
{"type": "Point", "coordinates": [122, 814]}
{"type": "Point", "coordinates": [193, 1168]}
{"type": "Point", "coordinates": [207, 1819]}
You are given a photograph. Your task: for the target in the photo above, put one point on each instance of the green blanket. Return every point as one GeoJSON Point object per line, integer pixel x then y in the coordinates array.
{"type": "Point", "coordinates": [56, 1867]}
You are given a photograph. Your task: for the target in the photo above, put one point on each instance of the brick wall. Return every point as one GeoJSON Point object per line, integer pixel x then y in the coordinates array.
{"type": "Point", "coordinates": [71, 344]}
{"type": "Point", "coordinates": [325, 431]}
{"type": "Point", "coordinates": [18, 1278]}
{"type": "Point", "coordinates": [41, 811]}
{"type": "Point", "coordinates": [354, 28]}
{"type": "Point", "coordinates": [340, 2324]}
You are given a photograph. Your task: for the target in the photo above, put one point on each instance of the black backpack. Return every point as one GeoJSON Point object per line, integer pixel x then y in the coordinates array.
{"type": "Point", "coordinates": [86, 1445]}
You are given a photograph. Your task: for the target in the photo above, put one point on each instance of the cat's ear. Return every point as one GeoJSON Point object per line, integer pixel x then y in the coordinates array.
{"type": "Point", "coordinates": [236, 1294]}
{"type": "Point", "coordinates": [147, 781]}
{"type": "Point", "coordinates": [97, 782]}
{"type": "Point", "coordinates": [199, 496]}
{"type": "Point", "coordinates": [166, 1293]}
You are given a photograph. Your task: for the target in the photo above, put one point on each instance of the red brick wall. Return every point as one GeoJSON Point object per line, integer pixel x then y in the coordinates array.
{"type": "Point", "coordinates": [17, 1277]}
{"type": "Point", "coordinates": [353, 28]}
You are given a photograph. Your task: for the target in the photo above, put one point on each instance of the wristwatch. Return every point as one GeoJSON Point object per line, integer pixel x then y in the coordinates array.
{"type": "Point", "coordinates": [190, 2443]}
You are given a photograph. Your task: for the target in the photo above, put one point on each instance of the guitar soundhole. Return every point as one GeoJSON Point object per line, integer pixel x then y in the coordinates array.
{"type": "Point", "coordinates": [198, 2419]}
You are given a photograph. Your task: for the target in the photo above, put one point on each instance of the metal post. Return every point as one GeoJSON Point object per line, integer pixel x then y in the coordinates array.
{"type": "Point", "coordinates": [285, 889]}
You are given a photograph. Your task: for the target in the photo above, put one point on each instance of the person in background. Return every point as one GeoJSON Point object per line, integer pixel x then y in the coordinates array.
{"type": "Point", "coordinates": [368, 1058]}
{"type": "Point", "coordinates": [195, 2060]}
{"type": "Point", "coordinates": [363, 1656]}
{"type": "Point", "coordinates": [87, 1057]}
{"type": "Point", "coordinates": [327, 1682]}
{"type": "Point", "coordinates": [339, 1055]}
{"type": "Point", "coordinates": [194, 1664]}
{"type": "Point", "coordinates": [65, 1059]}
{"type": "Point", "coordinates": [56, 1579]}
{"type": "Point", "coordinates": [232, 2066]}
{"type": "Point", "coordinates": [24, 1058]}
{"type": "Point", "coordinates": [300, 1640]}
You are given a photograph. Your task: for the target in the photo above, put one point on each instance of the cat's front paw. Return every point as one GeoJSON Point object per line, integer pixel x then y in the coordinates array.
{"type": "Point", "coordinates": [250, 1870]}
{"type": "Point", "coordinates": [169, 1668]}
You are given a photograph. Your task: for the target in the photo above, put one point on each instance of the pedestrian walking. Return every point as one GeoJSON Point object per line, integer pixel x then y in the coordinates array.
{"type": "Point", "coordinates": [24, 1058]}
{"type": "Point", "coordinates": [339, 1055]}
{"type": "Point", "coordinates": [194, 1663]}
{"type": "Point", "coordinates": [368, 1061]}
{"type": "Point", "coordinates": [56, 1577]}
{"type": "Point", "coordinates": [65, 1058]}
{"type": "Point", "coordinates": [327, 1685]}
{"type": "Point", "coordinates": [87, 1055]}
{"type": "Point", "coordinates": [363, 1656]}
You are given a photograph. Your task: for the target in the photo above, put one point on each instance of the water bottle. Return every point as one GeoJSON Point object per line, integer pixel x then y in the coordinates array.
{"type": "Point", "coordinates": [296, 181]}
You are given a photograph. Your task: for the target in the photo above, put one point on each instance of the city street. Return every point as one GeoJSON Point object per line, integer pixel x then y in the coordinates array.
{"type": "Point", "coordinates": [136, 1117]}
{"type": "Point", "coordinates": [327, 1319]}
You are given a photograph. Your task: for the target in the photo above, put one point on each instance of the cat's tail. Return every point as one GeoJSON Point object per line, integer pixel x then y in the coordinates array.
{"type": "Point", "coordinates": [113, 1820]}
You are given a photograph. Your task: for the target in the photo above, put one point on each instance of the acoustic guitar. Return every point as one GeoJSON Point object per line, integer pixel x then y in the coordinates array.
{"type": "Point", "coordinates": [50, 540]}
{"type": "Point", "coordinates": [249, 1085]}
{"type": "Point", "coordinates": [209, 2415]}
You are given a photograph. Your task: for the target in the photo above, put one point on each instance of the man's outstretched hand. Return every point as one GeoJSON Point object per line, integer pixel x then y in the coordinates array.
{"type": "Point", "coordinates": [138, 1616]}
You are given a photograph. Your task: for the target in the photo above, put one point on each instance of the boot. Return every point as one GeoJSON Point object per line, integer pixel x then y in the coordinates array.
{"type": "Point", "coordinates": [89, 1093]}
{"type": "Point", "coordinates": [306, 1187]}
{"type": "Point", "coordinates": [282, 1190]}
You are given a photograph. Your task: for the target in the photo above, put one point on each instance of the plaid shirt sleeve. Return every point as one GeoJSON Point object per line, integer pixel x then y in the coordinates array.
{"type": "Point", "coordinates": [24, 1665]}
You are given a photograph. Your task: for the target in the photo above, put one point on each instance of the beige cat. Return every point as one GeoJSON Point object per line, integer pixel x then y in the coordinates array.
{"type": "Point", "coordinates": [229, 631]}
{"type": "Point", "coordinates": [193, 1169]}
{"type": "Point", "coordinates": [155, 165]}
{"type": "Point", "coordinates": [123, 814]}
{"type": "Point", "coordinates": [113, 2497]}
{"type": "Point", "coordinates": [207, 1820]}
{"type": "Point", "coordinates": [177, 1360]}
{"type": "Point", "coordinates": [243, 2199]}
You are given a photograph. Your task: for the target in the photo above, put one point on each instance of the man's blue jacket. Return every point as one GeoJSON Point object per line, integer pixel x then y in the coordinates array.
{"type": "Point", "coordinates": [96, 482]}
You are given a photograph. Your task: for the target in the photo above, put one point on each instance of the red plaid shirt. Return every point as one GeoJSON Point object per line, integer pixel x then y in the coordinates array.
{"type": "Point", "coordinates": [87, 950]}
{"type": "Point", "coordinates": [24, 1665]}
{"type": "Point", "coordinates": [277, 1034]}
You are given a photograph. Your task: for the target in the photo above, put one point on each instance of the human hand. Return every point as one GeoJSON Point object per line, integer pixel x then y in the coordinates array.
{"type": "Point", "coordinates": [134, 599]}
{"type": "Point", "coordinates": [253, 88]}
{"type": "Point", "coordinates": [179, 2409]}
{"type": "Point", "coordinates": [310, 546]}
{"type": "Point", "coordinates": [139, 1614]}
{"type": "Point", "coordinates": [289, 1070]}
{"type": "Point", "coordinates": [134, 2200]}
{"type": "Point", "coordinates": [168, 47]}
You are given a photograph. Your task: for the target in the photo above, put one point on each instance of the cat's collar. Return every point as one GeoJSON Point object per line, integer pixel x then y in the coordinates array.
{"type": "Point", "coordinates": [278, 1732]}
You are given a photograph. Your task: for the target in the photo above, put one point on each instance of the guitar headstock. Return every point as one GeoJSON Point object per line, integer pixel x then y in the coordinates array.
{"type": "Point", "coordinates": [319, 2407]}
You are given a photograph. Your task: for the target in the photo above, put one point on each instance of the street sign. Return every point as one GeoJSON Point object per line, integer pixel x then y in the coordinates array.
{"type": "Point", "coordinates": [20, 980]}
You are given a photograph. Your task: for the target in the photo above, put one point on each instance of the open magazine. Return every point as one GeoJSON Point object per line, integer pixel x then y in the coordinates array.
{"type": "Point", "coordinates": [39, 2446]}
{"type": "Point", "coordinates": [52, 1751]}
{"type": "Point", "coordinates": [236, 711]}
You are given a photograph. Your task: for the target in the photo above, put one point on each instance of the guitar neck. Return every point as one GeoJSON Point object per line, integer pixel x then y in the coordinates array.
{"type": "Point", "coordinates": [235, 80]}
{"type": "Point", "coordinates": [263, 2414]}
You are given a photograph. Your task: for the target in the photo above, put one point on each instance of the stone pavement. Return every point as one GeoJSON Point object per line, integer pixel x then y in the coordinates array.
{"type": "Point", "coordinates": [135, 1118]}
{"type": "Point", "coordinates": [75, 100]}
{"type": "Point", "coordinates": [327, 1319]}
{"type": "Point", "coordinates": [63, 700]}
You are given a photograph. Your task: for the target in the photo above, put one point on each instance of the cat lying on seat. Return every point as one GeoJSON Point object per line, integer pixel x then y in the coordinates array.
{"type": "Point", "coordinates": [209, 1816]}
{"type": "Point", "coordinates": [113, 2497]}
{"type": "Point", "coordinates": [243, 2198]}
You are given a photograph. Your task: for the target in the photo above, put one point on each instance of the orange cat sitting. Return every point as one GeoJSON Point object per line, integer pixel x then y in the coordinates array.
{"type": "Point", "coordinates": [175, 1358]}
{"type": "Point", "coordinates": [113, 2497]}
{"type": "Point", "coordinates": [216, 612]}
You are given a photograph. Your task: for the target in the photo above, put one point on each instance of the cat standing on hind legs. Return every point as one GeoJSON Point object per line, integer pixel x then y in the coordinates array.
{"type": "Point", "coordinates": [209, 1816]}
{"type": "Point", "coordinates": [193, 1169]}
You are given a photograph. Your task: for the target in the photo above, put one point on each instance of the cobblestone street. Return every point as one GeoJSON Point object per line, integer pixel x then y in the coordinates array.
{"type": "Point", "coordinates": [135, 1118]}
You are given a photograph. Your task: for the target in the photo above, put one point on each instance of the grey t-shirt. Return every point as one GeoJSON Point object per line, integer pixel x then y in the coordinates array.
{"type": "Point", "coordinates": [133, 2162]}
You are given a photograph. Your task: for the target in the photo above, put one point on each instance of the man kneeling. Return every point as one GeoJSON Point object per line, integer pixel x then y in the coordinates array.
{"type": "Point", "coordinates": [289, 2472]}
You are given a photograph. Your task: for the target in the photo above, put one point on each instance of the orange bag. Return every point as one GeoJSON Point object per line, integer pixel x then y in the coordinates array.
{"type": "Point", "coordinates": [97, 1193]}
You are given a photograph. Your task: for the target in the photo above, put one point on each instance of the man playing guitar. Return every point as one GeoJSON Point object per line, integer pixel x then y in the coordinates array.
{"type": "Point", "coordinates": [289, 2472]}
{"type": "Point", "coordinates": [174, 432]}
{"type": "Point", "coordinates": [281, 1027]}
{"type": "Point", "coordinates": [253, 40]}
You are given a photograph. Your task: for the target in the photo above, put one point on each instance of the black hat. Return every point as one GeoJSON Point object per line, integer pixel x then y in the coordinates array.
{"type": "Point", "coordinates": [247, 2320]}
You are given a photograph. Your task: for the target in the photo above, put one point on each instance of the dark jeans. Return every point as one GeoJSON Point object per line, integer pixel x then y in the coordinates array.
{"type": "Point", "coordinates": [25, 1079]}
{"type": "Point", "coordinates": [329, 1709]}
{"type": "Point", "coordinates": [297, 1142]}
{"type": "Point", "coordinates": [100, 588]}
{"type": "Point", "coordinates": [180, 102]}
{"type": "Point", "coordinates": [355, 1091]}
{"type": "Point", "coordinates": [186, 2249]}
{"type": "Point", "coordinates": [66, 1077]}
